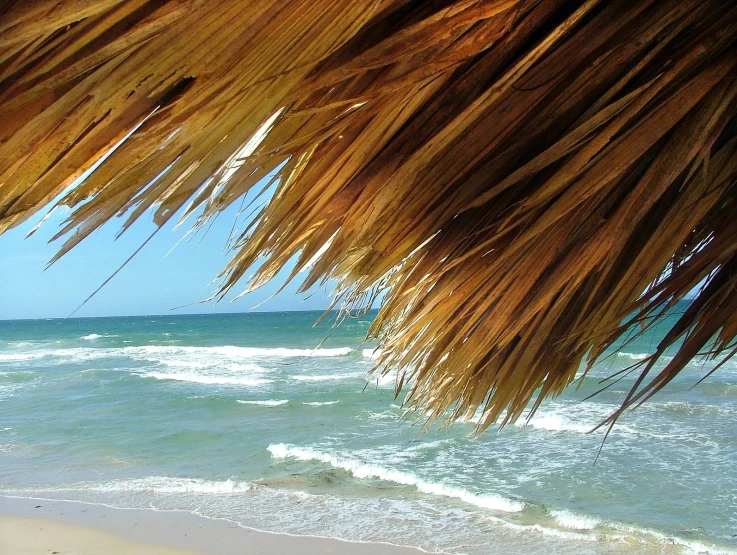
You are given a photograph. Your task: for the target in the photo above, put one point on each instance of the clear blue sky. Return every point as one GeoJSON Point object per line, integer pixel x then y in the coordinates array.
{"type": "Point", "coordinates": [152, 283]}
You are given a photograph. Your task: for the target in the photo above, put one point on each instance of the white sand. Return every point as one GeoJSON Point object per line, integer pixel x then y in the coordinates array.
{"type": "Point", "coordinates": [37, 536]}
{"type": "Point", "coordinates": [42, 527]}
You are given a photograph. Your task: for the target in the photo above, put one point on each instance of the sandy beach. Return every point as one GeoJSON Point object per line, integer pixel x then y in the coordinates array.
{"type": "Point", "coordinates": [43, 527]}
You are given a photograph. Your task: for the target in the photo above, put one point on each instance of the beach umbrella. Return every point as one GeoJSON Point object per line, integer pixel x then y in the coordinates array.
{"type": "Point", "coordinates": [525, 181]}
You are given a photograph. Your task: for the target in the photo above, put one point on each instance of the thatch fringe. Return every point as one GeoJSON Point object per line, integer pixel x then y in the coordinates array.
{"type": "Point", "coordinates": [519, 176]}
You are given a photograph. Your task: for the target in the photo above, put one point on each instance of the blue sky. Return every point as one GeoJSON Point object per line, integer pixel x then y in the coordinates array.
{"type": "Point", "coordinates": [153, 283]}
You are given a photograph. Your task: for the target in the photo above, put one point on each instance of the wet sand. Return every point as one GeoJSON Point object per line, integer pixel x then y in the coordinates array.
{"type": "Point", "coordinates": [36, 527]}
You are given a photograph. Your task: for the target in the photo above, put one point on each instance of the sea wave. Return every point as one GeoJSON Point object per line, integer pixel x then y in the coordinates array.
{"type": "Point", "coordinates": [175, 354]}
{"type": "Point", "coordinates": [328, 377]}
{"type": "Point", "coordinates": [383, 380]}
{"type": "Point", "coordinates": [569, 525]}
{"type": "Point", "coordinates": [21, 344]}
{"type": "Point", "coordinates": [555, 422]}
{"type": "Point", "coordinates": [165, 484]}
{"type": "Point", "coordinates": [718, 389]}
{"type": "Point", "coordinates": [385, 415]}
{"type": "Point", "coordinates": [169, 353]}
{"type": "Point", "coordinates": [363, 470]}
{"type": "Point", "coordinates": [267, 403]}
{"type": "Point", "coordinates": [372, 354]}
{"type": "Point", "coordinates": [579, 417]}
{"type": "Point", "coordinates": [320, 403]}
{"type": "Point", "coordinates": [215, 365]}
{"type": "Point", "coordinates": [19, 376]}
{"type": "Point", "coordinates": [206, 379]}
{"type": "Point", "coordinates": [14, 357]}
{"type": "Point", "coordinates": [685, 408]}
{"type": "Point", "coordinates": [633, 356]}
{"type": "Point", "coordinates": [426, 445]}
{"type": "Point", "coordinates": [574, 521]}
{"type": "Point", "coordinates": [93, 336]}
{"type": "Point", "coordinates": [660, 538]}
{"type": "Point", "coordinates": [241, 352]}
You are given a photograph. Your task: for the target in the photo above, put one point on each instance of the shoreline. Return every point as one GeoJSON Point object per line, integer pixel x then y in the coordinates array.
{"type": "Point", "coordinates": [36, 526]}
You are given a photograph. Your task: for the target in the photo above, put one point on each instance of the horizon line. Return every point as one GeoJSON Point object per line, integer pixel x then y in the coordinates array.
{"type": "Point", "coordinates": [168, 315]}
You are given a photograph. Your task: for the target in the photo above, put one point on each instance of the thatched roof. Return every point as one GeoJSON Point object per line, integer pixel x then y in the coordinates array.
{"type": "Point", "coordinates": [518, 176]}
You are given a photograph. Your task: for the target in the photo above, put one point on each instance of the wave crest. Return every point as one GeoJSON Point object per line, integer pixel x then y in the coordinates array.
{"type": "Point", "coordinates": [328, 377]}
{"type": "Point", "coordinates": [165, 484]}
{"type": "Point", "coordinates": [205, 379]}
{"type": "Point", "coordinates": [363, 471]}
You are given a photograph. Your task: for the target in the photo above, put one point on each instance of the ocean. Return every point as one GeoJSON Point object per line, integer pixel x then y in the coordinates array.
{"type": "Point", "coordinates": [269, 422]}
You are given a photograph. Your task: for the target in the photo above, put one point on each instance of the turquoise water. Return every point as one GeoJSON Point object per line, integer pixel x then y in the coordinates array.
{"type": "Point", "coordinates": [249, 417]}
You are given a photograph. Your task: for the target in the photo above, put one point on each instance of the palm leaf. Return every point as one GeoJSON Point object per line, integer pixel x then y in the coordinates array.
{"type": "Point", "coordinates": [524, 180]}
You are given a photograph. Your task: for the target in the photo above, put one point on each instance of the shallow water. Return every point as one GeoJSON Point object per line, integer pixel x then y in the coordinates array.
{"type": "Point", "coordinates": [245, 417]}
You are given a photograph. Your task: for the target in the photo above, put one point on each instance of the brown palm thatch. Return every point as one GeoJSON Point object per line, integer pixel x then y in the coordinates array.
{"type": "Point", "coordinates": [524, 179]}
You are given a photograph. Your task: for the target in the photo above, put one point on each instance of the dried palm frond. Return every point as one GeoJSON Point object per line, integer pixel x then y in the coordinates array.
{"type": "Point", "coordinates": [524, 179]}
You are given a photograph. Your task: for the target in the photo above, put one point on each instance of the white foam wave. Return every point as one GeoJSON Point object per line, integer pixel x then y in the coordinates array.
{"type": "Point", "coordinates": [554, 422]}
{"type": "Point", "coordinates": [227, 355]}
{"type": "Point", "coordinates": [303, 495]}
{"type": "Point", "coordinates": [93, 336]}
{"type": "Point", "coordinates": [66, 355]}
{"type": "Point", "coordinates": [386, 415]}
{"type": "Point", "coordinates": [182, 363]}
{"type": "Point", "coordinates": [164, 484]}
{"type": "Point", "coordinates": [327, 377]}
{"type": "Point", "coordinates": [320, 403]}
{"type": "Point", "coordinates": [692, 545]}
{"type": "Point", "coordinates": [633, 356]}
{"type": "Point", "coordinates": [175, 355]}
{"type": "Point", "coordinates": [575, 417]}
{"type": "Point", "coordinates": [13, 357]}
{"type": "Point", "coordinates": [424, 445]}
{"type": "Point", "coordinates": [372, 354]}
{"type": "Point", "coordinates": [202, 365]}
{"type": "Point", "coordinates": [237, 352]}
{"type": "Point", "coordinates": [383, 380]}
{"type": "Point", "coordinates": [268, 403]}
{"type": "Point", "coordinates": [362, 470]}
{"type": "Point", "coordinates": [555, 532]}
{"type": "Point", "coordinates": [573, 521]}
{"type": "Point", "coordinates": [235, 367]}
{"type": "Point", "coordinates": [205, 379]}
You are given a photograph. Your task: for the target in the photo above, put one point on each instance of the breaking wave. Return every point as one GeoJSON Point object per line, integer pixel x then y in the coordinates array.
{"type": "Point", "coordinates": [372, 354]}
{"type": "Point", "coordinates": [573, 521]}
{"type": "Point", "coordinates": [328, 377]}
{"type": "Point", "coordinates": [362, 470]}
{"type": "Point", "coordinates": [13, 357]}
{"type": "Point", "coordinates": [206, 379]}
{"type": "Point", "coordinates": [164, 484]}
